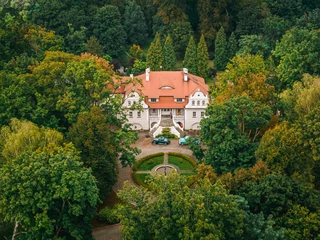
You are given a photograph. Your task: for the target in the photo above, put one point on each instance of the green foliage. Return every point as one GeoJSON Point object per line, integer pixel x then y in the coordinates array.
{"type": "Point", "coordinates": [190, 57]}
{"type": "Point", "coordinates": [202, 59]}
{"type": "Point", "coordinates": [253, 44]}
{"type": "Point", "coordinates": [221, 54]}
{"type": "Point", "coordinates": [93, 46]}
{"type": "Point", "coordinates": [298, 52]}
{"type": "Point", "coordinates": [197, 150]}
{"type": "Point", "coordinates": [135, 52]}
{"type": "Point", "coordinates": [110, 214]}
{"type": "Point", "coordinates": [92, 137]}
{"type": "Point", "coordinates": [48, 194]}
{"type": "Point", "coordinates": [232, 46]}
{"type": "Point", "coordinates": [166, 133]}
{"type": "Point", "coordinates": [75, 40]}
{"type": "Point", "coordinates": [155, 54]}
{"type": "Point", "coordinates": [180, 33]}
{"type": "Point", "coordinates": [140, 179]}
{"type": "Point", "coordinates": [184, 157]}
{"type": "Point", "coordinates": [207, 211]}
{"type": "Point", "coordinates": [231, 141]}
{"type": "Point", "coordinates": [134, 23]}
{"type": "Point", "coordinates": [138, 163]}
{"type": "Point", "coordinates": [169, 56]}
{"type": "Point", "coordinates": [139, 67]}
{"type": "Point", "coordinates": [277, 194]}
{"type": "Point", "coordinates": [108, 30]}
{"type": "Point", "coordinates": [151, 163]}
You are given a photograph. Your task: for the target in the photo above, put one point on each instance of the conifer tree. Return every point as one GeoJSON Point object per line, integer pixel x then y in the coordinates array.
{"type": "Point", "coordinates": [232, 46]}
{"type": "Point", "coordinates": [169, 56]}
{"type": "Point", "coordinates": [203, 58]}
{"type": "Point", "coordinates": [155, 54]}
{"type": "Point", "coordinates": [190, 57]}
{"type": "Point", "coordinates": [221, 57]}
{"type": "Point", "coordinates": [135, 24]}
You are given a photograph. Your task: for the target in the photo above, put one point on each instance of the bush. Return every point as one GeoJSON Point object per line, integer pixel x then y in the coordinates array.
{"type": "Point", "coordinates": [144, 159]}
{"type": "Point", "coordinates": [110, 215]}
{"type": "Point", "coordinates": [139, 181]}
{"type": "Point", "coordinates": [167, 135]}
{"type": "Point", "coordinates": [182, 156]}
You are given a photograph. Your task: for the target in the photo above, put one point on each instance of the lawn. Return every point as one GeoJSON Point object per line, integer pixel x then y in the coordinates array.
{"type": "Point", "coordinates": [180, 162]}
{"type": "Point", "coordinates": [151, 163]}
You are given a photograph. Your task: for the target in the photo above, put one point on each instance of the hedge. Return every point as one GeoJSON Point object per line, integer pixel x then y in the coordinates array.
{"type": "Point", "coordinates": [185, 157]}
{"type": "Point", "coordinates": [144, 159]}
{"type": "Point", "coordinates": [138, 181]}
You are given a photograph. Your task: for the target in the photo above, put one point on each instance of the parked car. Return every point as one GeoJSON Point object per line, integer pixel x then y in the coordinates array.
{"type": "Point", "coordinates": [185, 140]}
{"type": "Point", "coordinates": [161, 140]}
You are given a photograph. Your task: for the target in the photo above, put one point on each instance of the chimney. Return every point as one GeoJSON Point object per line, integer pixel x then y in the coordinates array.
{"type": "Point", "coordinates": [185, 74]}
{"type": "Point", "coordinates": [147, 74]}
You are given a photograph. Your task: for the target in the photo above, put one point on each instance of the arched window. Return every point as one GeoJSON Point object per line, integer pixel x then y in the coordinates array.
{"type": "Point", "coordinates": [198, 103]}
{"type": "Point", "coordinates": [203, 102]}
{"type": "Point", "coordinates": [192, 103]}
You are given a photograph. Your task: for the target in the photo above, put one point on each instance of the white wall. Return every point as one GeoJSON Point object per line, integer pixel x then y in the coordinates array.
{"type": "Point", "coordinates": [138, 122]}
{"type": "Point", "coordinates": [197, 103]}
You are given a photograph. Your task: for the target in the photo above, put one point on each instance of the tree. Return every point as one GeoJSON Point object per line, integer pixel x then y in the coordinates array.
{"type": "Point", "coordinates": [135, 51]}
{"type": "Point", "coordinates": [169, 56]}
{"type": "Point", "coordinates": [91, 135]}
{"type": "Point", "coordinates": [75, 40]}
{"type": "Point", "coordinates": [155, 54]}
{"type": "Point", "coordinates": [207, 211]}
{"type": "Point", "coordinates": [22, 136]}
{"type": "Point", "coordinates": [232, 46]}
{"type": "Point", "coordinates": [221, 54]}
{"type": "Point", "coordinates": [190, 57]}
{"type": "Point", "coordinates": [203, 59]}
{"type": "Point", "coordinates": [231, 141]}
{"type": "Point", "coordinates": [298, 53]}
{"type": "Point", "coordinates": [93, 46]}
{"type": "Point", "coordinates": [48, 195]}
{"type": "Point", "coordinates": [108, 30]}
{"type": "Point", "coordinates": [135, 24]}
{"type": "Point", "coordinates": [277, 194]}
{"type": "Point", "coordinates": [180, 32]}
{"type": "Point", "coordinates": [253, 44]}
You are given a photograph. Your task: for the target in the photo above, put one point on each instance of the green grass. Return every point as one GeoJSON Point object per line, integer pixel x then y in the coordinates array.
{"type": "Point", "coordinates": [151, 163]}
{"type": "Point", "coordinates": [180, 162]}
{"type": "Point", "coordinates": [189, 174]}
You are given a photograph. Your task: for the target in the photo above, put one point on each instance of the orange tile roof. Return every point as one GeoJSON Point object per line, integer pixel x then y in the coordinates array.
{"type": "Point", "coordinates": [171, 79]}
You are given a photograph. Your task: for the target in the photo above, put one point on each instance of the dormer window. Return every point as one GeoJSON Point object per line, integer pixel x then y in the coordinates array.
{"type": "Point", "coordinates": [198, 103]}
{"type": "Point", "coordinates": [179, 100]}
{"type": "Point", "coordinates": [203, 103]}
{"type": "Point", "coordinates": [153, 100]}
{"type": "Point", "coordinates": [193, 102]}
{"type": "Point", "coordinates": [166, 87]}
{"type": "Point", "coordinates": [129, 103]}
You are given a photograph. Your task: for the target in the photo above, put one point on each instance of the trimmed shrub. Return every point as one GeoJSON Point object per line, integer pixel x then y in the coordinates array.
{"type": "Point", "coordinates": [139, 181]}
{"type": "Point", "coordinates": [144, 159]}
{"type": "Point", "coordinates": [187, 158]}
{"type": "Point", "coordinates": [110, 215]}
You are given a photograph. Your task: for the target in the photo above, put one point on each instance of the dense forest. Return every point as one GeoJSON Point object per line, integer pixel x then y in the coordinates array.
{"type": "Point", "coordinates": [63, 128]}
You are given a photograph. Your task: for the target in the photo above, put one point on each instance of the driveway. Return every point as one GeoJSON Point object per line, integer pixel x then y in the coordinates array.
{"type": "Point", "coordinates": [113, 232]}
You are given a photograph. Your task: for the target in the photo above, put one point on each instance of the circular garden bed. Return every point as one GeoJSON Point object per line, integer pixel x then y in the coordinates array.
{"type": "Point", "coordinates": [163, 163]}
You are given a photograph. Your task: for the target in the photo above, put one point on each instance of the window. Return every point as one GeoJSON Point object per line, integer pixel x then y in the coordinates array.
{"type": "Point", "coordinates": [153, 110]}
{"type": "Point", "coordinates": [192, 103]}
{"type": "Point", "coordinates": [129, 103]}
{"type": "Point", "coordinates": [130, 115]}
{"type": "Point", "coordinates": [203, 103]}
{"type": "Point", "coordinates": [178, 112]}
{"type": "Point", "coordinates": [194, 114]}
{"type": "Point", "coordinates": [134, 102]}
{"type": "Point", "coordinates": [198, 103]}
{"type": "Point", "coordinates": [179, 99]}
{"type": "Point", "coordinates": [153, 100]}
{"type": "Point", "coordinates": [139, 114]}
{"type": "Point", "coordinates": [202, 114]}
